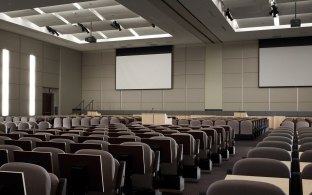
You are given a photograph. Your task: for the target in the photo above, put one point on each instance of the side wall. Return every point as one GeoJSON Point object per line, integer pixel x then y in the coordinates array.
{"type": "Point", "coordinates": [47, 71]}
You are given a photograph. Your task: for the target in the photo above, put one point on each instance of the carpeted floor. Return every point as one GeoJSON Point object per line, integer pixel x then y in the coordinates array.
{"type": "Point", "coordinates": [219, 173]}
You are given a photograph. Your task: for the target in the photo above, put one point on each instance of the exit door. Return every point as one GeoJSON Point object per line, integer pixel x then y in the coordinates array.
{"type": "Point", "coordinates": [47, 103]}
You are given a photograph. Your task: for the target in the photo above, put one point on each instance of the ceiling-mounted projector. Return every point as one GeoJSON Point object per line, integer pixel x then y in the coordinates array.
{"type": "Point", "coordinates": [295, 22]}
{"type": "Point", "coordinates": [90, 39]}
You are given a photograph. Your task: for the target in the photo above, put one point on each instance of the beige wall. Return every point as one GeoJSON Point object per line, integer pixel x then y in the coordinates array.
{"type": "Point", "coordinates": [188, 93]}
{"type": "Point", "coordinates": [47, 70]}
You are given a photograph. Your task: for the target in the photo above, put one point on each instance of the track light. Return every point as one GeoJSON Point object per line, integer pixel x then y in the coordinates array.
{"type": "Point", "coordinates": [153, 25]}
{"type": "Point", "coordinates": [83, 28]}
{"type": "Point", "coordinates": [52, 31]}
{"type": "Point", "coordinates": [116, 25]}
{"type": "Point", "coordinates": [228, 14]}
{"type": "Point", "coordinates": [274, 10]}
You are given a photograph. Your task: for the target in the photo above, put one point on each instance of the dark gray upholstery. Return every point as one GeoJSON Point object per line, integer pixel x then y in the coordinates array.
{"type": "Point", "coordinates": [269, 152]}
{"type": "Point", "coordinates": [305, 140]}
{"type": "Point", "coordinates": [305, 146]}
{"type": "Point", "coordinates": [261, 167]}
{"type": "Point", "coordinates": [306, 156]}
{"type": "Point", "coordinates": [275, 144]}
{"type": "Point", "coordinates": [281, 135]}
{"type": "Point", "coordinates": [243, 187]}
{"type": "Point", "coordinates": [277, 138]}
{"type": "Point", "coordinates": [307, 172]}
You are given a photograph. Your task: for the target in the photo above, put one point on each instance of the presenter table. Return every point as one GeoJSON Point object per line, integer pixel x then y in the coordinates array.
{"type": "Point", "coordinates": [282, 183]}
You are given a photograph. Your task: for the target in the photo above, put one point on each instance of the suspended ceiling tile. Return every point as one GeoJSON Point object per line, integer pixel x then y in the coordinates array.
{"type": "Point", "coordinates": [115, 12]}
{"type": "Point", "coordinates": [58, 8]}
{"type": "Point", "coordinates": [149, 31]}
{"type": "Point", "coordinates": [79, 16]}
{"type": "Point", "coordinates": [99, 26]}
{"type": "Point", "coordinates": [117, 33]}
{"type": "Point", "coordinates": [96, 4]}
{"type": "Point", "coordinates": [254, 22]}
{"type": "Point", "coordinates": [67, 29]}
{"type": "Point", "coordinates": [21, 13]}
{"type": "Point", "coordinates": [44, 20]}
{"type": "Point", "coordinates": [134, 22]}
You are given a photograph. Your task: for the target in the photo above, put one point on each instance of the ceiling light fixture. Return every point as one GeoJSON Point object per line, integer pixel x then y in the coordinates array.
{"type": "Point", "coordinates": [274, 9]}
{"type": "Point", "coordinates": [52, 31]}
{"type": "Point", "coordinates": [116, 25]}
{"type": "Point", "coordinates": [295, 22]}
{"type": "Point", "coordinates": [228, 14]}
{"type": "Point", "coordinates": [83, 28]}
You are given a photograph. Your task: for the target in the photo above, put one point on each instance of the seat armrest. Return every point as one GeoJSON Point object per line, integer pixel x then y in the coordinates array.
{"type": "Point", "coordinates": [180, 153]}
{"type": "Point", "coordinates": [156, 162]}
{"type": "Point", "coordinates": [62, 187]}
{"type": "Point", "coordinates": [120, 180]}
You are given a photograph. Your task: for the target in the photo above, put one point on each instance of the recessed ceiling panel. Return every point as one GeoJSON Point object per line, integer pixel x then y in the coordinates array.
{"type": "Point", "coordinates": [99, 26]}
{"type": "Point", "coordinates": [21, 13]}
{"type": "Point", "coordinates": [67, 29]}
{"type": "Point", "coordinates": [96, 4]}
{"type": "Point", "coordinates": [58, 8]}
{"type": "Point", "coordinates": [305, 18]}
{"type": "Point", "coordinates": [115, 12]}
{"type": "Point", "coordinates": [148, 31]}
{"type": "Point", "coordinates": [254, 22]}
{"type": "Point", "coordinates": [117, 33]}
{"type": "Point", "coordinates": [134, 22]}
{"type": "Point", "coordinates": [80, 16]}
{"type": "Point", "coordinates": [45, 20]}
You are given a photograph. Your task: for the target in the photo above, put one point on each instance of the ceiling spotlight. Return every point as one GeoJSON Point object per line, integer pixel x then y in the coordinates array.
{"type": "Point", "coordinates": [274, 10]}
{"type": "Point", "coordinates": [52, 31]}
{"type": "Point", "coordinates": [153, 25]}
{"type": "Point", "coordinates": [83, 28]}
{"type": "Point", "coordinates": [228, 14]}
{"type": "Point", "coordinates": [116, 25]}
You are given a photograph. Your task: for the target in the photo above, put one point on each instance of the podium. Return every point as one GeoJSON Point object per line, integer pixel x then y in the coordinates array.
{"type": "Point", "coordinates": [156, 119]}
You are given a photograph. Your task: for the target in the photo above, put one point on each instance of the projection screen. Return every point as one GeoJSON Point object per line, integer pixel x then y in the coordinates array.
{"type": "Point", "coordinates": [143, 71]}
{"type": "Point", "coordinates": [287, 66]}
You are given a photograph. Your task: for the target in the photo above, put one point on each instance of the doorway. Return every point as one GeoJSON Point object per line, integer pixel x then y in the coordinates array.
{"type": "Point", "coordinates": [47, 103]}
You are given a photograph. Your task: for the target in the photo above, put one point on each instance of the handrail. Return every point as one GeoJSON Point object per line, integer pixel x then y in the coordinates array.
{"type": "Point", "coordinates": [89, 106]}
{"type": "Point", "coordinates": [80, 105]}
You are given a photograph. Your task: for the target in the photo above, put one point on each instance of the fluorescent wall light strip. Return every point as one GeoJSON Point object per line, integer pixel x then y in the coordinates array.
{"type": "Point", "coordinates": [5, 81]}
{"type": "Point", "coordinates": [77, 5]}
{"type": "Point", "coordinates": [39, 10]}
{"type": "Point", "coordinates": [61, 18]}
{"type": "Point", "coordinates": [133, 32]}
{"type": "Point", "coordinates": [32, 85]}
{"type": "Point", "coordinates": [97, 14]}
{"type": "Point", "coordinates": [135, 38]}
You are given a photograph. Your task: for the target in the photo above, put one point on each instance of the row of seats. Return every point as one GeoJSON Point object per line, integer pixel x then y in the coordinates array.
{"type": "Point", "coordinates": [277, 156]}
{"type": "Point", "coordinates": [196, 146]}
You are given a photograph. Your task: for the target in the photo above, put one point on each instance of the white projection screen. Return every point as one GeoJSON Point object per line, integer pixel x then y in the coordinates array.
{"type": "Point", "coordinates": [286, 66]}
{"type": "Point", "coordinates": [143, 71]}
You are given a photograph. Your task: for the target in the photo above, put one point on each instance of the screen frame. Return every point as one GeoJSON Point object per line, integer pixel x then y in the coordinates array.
{"type": "Point", "coordinates": [145, 51]}
{"type": "Point", "coordinates": [282, 42]}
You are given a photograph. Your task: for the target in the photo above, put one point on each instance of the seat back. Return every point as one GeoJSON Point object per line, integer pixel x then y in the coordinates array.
{"type": "Point", "coordinates": [195, 123]}
{"type": "Point", "coordinates": [57, 123]}
{"type": "Point", "coordinates": [66, 141]}
{"type": "Point", "coordinates": [85, 122]}
{"type": "Point", "coordinates": [37, 179]}
{"type": "Point", "coordinates": [23, 126]}
{"type": "Point", "coordinates": [75, 122]}
{"type": "Point", "coordinates": [239, 187]}
{"type": "Point", "coordinates": [261, 167]}
{"type": "Point", "coordinates": [103, 143]}
{"type": "Point", "coordinates": [269, 152]}
{"type": "Point", "coordinates": [33, 140]}
{"type": "Point", "coordinates": [306, 156]}
{"type": "Point", "coordinates": [44, 125]}
{"type": "Point", "coordinates": [305, 147]}
{"type": "Point", "coordinates": [275, 144]}
{"type": "Point", "coordinates": [95, 121]}
{"type": "Point", "coordinates": [67, 123]}
{"type": "Point", "coordinates": [277, 138]}
{"type": "Point", "coordinates": [10, 149]}
{"type": "Point", "coordinates": [307, 172]}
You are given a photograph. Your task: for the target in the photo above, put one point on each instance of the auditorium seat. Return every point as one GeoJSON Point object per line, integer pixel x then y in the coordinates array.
{"type": "Point", "coordinates": [183, 122]}
{"type": "Point", "coordinates": [74, 135]}
{"type": "Point", "coordinates": [16, 119]}
{"type": "Point", "coordinates": [114, 120]}
{"type": "Point", "coordinates": [54, 152]}
{"type": "Point", "coordinates": [137, 138]}
{"type": "Point", "coordinates": [33, 125]}
{"type": "Point", "coordinates": [85, 122]}
{"type": "Point", "coordinates": [57, 123]}
{"type": "Point", "coordinates": [219, 122]}
{"type": "Point", "coordinates": [104, 137]}
{"type": "Point", "coordinates": [2, 128]}
{"type": "Point", "coordinates": [195, 123]}
{"type": "Point", "coordinates": [306, 156]}
{"type": "Point", "coordinates": [75, 122]}
{"type": "Point", "coordinates": [304, 135]}
{"type": "Point", "coordinates": [275, 144]}
{"type": "Point", "coordinates": [95, 121]}
{"type": "Point", "coordinates": [207, 123]}
{"type": "Point", "coordinates": [37, 180]}
{"type": "Point", "coordinates": [66, 141]}
{"type": "Point", "coordinates": [277, 138]}
{"type": "Point", "coordinates": [261, 167]}
{"type": "Point", "coordinates": [67, 123]}
{"type": "Point", "coordinates": [23, 126]}
{"type": "Point", "coordinates": [24, 119]}
{"type": "Point", "coordinates": [307, 172]}
{"type": "Point", "coordinates": [103, 143]}
{"type": "Point", "coordinates": [10, 149]}
{"type": "Point", "coordinates": [288, 123]}
{"type": "Point", "coordinates": [281, 135]}
{"type": "Point", "coordinates": [302, 123]}
{"type": "Point", "coordinates": [235, 126]}
{"type": "Point", "coordinates": [2, 138]}
{"type": "Point", "coordinates": [290, 132]}
{"type": "Point", "coordinates": [305, 146]}
{"type": "Point", "coordinates": [305, 140]}
{"type": "Point", "coordinates": [33, 140]}
{"type": "Point", "coordinates": [44, 125]}
{"type": "Point", "coordinates": [240, 187]}
{"type": "Point", "coordinates": [104, 121]}
{"type": "Point", "coordinates": [269, 152]}
{"type": "Point", "coordinates": [10, 127]}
